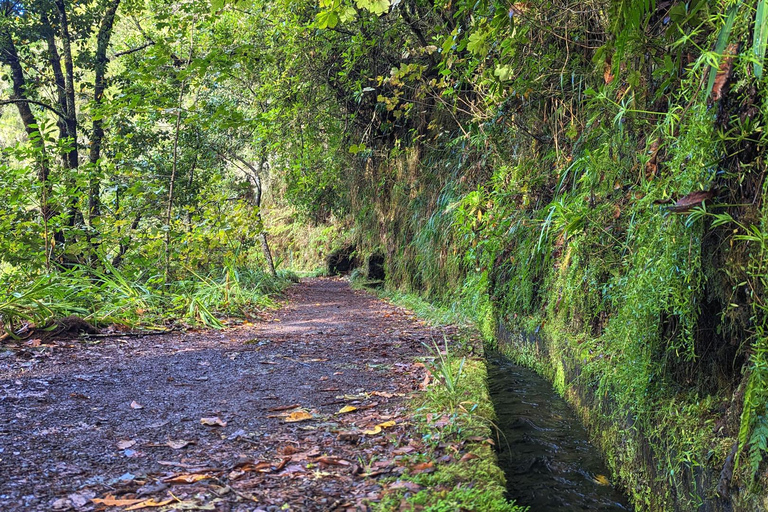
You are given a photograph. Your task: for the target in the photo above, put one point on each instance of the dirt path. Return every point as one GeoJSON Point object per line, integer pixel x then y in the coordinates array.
{"type": "Point", "coordinates": [121, 419]}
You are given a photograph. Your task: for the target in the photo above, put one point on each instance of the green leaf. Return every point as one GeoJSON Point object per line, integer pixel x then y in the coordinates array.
{"type": "Point", "coordinates": [478, 42]}
{"type": "Point", "coordinates": [377, 7]}
{"type": "Point", "coordinates": [503, 72]}
{"type": "Point", "coordinates": [760, 36]}
{"type": "Point", "coordinates": [327, 19]}
{"type": "Point", "coordinates": [722, 41]}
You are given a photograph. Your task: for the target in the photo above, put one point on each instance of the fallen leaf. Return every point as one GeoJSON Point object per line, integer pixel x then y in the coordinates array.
{"type": "Point", "coordinates": [377, 428]}
{"type": "Point", "coordinates": [424, 467]}
{"type": "Point", "coordinates": [186, 478]}
{"type": "Point", "coordinates": [178, 445]}
{"type": "Point", "coordinates": [111, 501]}
{"type": "Point", "coordinates": [151, 503]}
{"type": "Point", "coordinates": [403, 484]}
{"type": "Point", "coordinates": [126, 443]}
{"type": "Point", "coordinates": [136, 405]}
{"type": "Point", "coordinates": [284, 407]}
{"type": "Point", "coordinates": [215, 421]}
{"type": "Point", "coordinates": [602, 480]}
{"type": "Point", "coordinates": [346, 409]}
{"type": "Point", "coordinates": [383, 394]}
{"type": "Point", "coordinates": [79, 500]}
{"type": "Point", "coordinates": [688, 202]}
{"type": "Point", "coordinates": [334, 461]}
{"type": "Point", "coordinates": [298, 416]}
{"type": "Point", "coordinates": [468, 456]}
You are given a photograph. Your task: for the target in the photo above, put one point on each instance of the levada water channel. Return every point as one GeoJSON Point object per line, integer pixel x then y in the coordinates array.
{"type": "Point", "coordinates": [543, 448]}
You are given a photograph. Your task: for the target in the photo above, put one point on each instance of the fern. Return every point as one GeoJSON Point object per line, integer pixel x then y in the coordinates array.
{"type": "Point", "coordinates": [758, 444]}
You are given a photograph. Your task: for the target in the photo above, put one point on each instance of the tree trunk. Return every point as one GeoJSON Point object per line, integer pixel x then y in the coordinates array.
{"type": "Point", "coordinates": [101, 61]}
{"type": "Point", "coordinates": [267, 253]}
{"type": "Point", "coordinates": [69, 85]}
{"type": "Point", "coordinates": [172, 184]}
{"type": "Point", "coordinates": [58, 77]}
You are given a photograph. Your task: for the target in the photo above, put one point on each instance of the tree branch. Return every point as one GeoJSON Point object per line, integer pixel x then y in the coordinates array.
{"type": "Point", "coordinates": [34, 102]}
{"type": "Point", "coordinates": [134, 50]}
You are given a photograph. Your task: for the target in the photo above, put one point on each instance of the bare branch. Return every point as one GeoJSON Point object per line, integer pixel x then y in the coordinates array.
{"type": "Point", "coordinates": [134, 50]}
{"type": "Point", "coordinates": [13, 101]}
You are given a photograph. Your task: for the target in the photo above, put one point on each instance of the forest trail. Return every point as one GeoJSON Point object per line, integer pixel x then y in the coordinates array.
{"type": "Point", "coordinates": [123, 418]}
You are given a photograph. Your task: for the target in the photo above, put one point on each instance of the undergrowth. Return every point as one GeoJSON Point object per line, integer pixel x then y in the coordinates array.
{"type": "Point", "coordinates": [455, 410]}
{"type": "Point", "coordinates": [108, 295]}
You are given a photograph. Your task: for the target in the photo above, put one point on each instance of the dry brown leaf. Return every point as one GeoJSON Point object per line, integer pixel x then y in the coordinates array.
{"type": "Point", "coordinates": [111, 501]}
{"type": "Point", "coordinates": [688, 202]}
{"type": "Point", "coordinates": [468, 456]}
{"type": "Point", "coordinates": [178, 445]}
{"type": "Point", "coordinates": [284, 407]}
{"type": "Point", "coordinates": [151, 503]}
{"type": "Point", "coordinates": [424, 467]}
{"type": "Point", "coordinates": [608, 74]}
{"type": "Point", "coordinates": [186, 478]}
{"type": "Point", "coordinates": [126, 443]}
{"type": "Point", "coordinates": [384, 394]}
{"type": "Point", "coordinates": [346, 409]}
{"type": "Point", "coordinates": [333, 461]}
{"type": "Point", "coordinates": [404, 484]}
{"type": "Point", "coordinates": [298, 416]}
{"type": "Point", "coordinates": [724, 73]}
{"type": "Point", "coordinates": [214, 421]}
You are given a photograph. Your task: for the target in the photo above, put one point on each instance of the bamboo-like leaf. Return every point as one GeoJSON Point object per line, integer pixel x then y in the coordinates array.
{"type": "Point", "coordinates": [760, 39]}
{"type": "Point", "coordinates": [722, 41]}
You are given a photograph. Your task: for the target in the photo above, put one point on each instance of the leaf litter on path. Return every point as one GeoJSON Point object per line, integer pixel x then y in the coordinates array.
{"type": "Point", "coordinates": [208, 442]}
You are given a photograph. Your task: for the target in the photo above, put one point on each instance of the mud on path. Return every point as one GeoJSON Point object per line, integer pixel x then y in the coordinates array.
{"type": "Point", "coordinates": [120, 418]}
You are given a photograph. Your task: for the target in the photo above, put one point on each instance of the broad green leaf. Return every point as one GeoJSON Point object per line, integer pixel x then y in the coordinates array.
{"type": "Point", "coordinates": [377, 7]}
{"type": "Point", "coordinates": [478, 42]}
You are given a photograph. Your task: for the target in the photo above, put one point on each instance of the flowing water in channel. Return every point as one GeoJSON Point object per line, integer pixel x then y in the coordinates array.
{"type": "Point", "coordinates": [543, 448]}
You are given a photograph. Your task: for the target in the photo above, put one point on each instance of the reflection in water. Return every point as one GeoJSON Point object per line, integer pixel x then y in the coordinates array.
{"type": "Point", "coordinates": [543, 448]}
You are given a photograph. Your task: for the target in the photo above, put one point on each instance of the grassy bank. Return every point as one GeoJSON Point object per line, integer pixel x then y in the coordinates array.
{"type": "Point", "coordinates": [454, 415]}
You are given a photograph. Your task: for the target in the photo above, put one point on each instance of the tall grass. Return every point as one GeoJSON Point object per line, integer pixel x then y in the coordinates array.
{"type": "Point", "coordinates": [110, 295]}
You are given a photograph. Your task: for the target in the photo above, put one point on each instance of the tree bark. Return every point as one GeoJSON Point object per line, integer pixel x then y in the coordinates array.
{"type": "Point", "coordinates": [256, 181]}
{"type": "Point", "coordinates": [100, 83]}
{"type": "Point", "coordinates": [58, 77]}
{"type": "Point", "coordinates": [69, 84]}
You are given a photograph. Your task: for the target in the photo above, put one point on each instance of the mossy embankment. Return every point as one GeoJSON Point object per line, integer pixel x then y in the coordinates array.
{"type": "Point", "coordinates": [454, 412]}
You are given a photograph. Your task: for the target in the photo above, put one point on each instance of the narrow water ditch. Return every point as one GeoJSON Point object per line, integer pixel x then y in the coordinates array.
{"type": "Point", "coordinates": [543, 448]}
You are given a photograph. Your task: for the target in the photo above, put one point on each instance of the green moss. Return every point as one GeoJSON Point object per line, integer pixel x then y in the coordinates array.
{"type": "Point", "coordinates": [456, 416]}
{"type": "Point", "coordinates": [465, 415]}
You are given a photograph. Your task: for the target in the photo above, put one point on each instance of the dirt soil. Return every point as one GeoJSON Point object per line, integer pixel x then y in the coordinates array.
{"type": "Point", "coordinates": [202, 420]}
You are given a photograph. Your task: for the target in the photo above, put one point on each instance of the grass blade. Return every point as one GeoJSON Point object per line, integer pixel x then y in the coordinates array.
{"type": "Point", "coordinates": [760, 39]}
{"type": "Point", "coordinates": [722, 41]}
